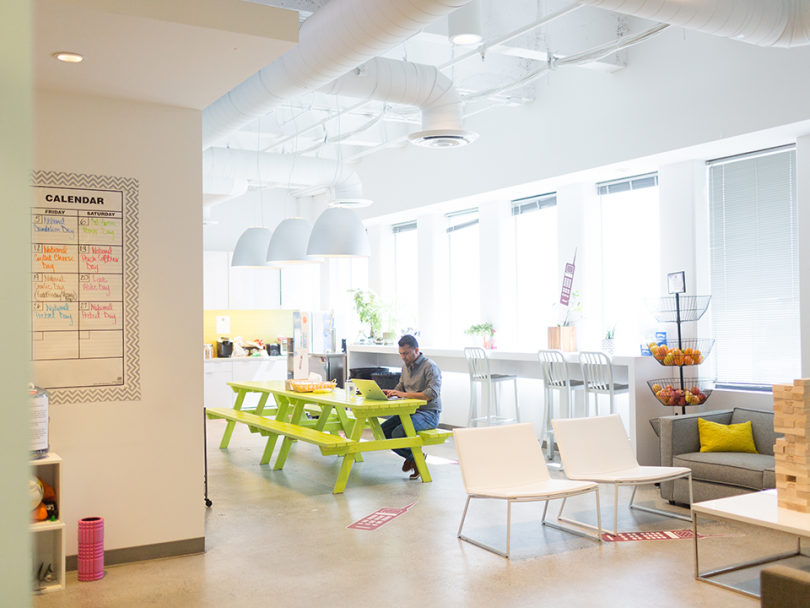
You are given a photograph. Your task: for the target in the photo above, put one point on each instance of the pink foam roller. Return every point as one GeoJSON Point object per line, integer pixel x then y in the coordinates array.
{"type": "Point", "coordinates": [91, 549]}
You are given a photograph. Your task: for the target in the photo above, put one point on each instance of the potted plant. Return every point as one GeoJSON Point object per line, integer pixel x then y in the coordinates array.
{"type": "Point", "coordinates": [607, 341]}
{"type": "Point", "coordinates": [563, 336]}
{"type": "Point", "coordinates": [483, 329]}
{"type": "Point", "coordinates": [379, 315]}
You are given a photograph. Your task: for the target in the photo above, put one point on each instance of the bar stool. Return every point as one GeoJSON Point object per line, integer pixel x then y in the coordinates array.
{"type": "Point", "coordinates": [556, 378]}
{"type": "Point", "coordinates": [597, 372]}
{"type": "Point", "coordinates": [478, 365]}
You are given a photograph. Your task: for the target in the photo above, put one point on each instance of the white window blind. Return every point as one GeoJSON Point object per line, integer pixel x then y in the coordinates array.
{"type": "Point", "coordinates": [754, 269]}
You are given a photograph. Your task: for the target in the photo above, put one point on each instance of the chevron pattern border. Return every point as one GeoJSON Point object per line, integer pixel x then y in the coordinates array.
{"type": "Point", "coordinates": [131, 390]}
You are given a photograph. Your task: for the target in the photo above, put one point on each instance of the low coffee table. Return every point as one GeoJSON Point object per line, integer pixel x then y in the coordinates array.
{"type": "Point", "coordinates": [757, 509]}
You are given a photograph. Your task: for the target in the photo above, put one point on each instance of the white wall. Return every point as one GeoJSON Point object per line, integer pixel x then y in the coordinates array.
{"type": "Point", "coordinates": [16, 154]}
{"type": "Point", "coordinates": [139, 465]}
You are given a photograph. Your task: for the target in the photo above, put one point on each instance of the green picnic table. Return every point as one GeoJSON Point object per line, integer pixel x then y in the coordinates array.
{"type": "Point", "coordinates": [336, 412]}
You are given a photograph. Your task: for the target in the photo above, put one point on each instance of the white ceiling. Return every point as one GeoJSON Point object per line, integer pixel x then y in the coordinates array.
{"type": "Point", "coordinates": [287, 128]}
{"type": "Point", "coordinates": [184, 53]}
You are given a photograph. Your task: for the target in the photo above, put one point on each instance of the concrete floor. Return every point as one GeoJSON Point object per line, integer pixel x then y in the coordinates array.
{"type": "Point", "coordinates": [280, 539]}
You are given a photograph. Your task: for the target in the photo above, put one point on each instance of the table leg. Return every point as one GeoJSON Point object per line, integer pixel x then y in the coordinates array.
{"type": "Point", "coordinates": [418, 456]}
{"type": "Point", "coordinates": [376, 428]}
{"type": "Point", "coordinates": [348, 459]}
{"type": "Point", "coordinates": [226, 438]}
{"type": "Point", "coordinates": [283, 405]}
{"type": "Point", "coordinates": [262, 401]}
{"type": "Point", "coordinates": [348, 428]}
{"type": "Point", "coordinates": [298, 411]}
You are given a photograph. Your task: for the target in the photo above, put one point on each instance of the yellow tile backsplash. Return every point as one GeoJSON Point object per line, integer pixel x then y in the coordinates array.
{"type": "Point", "coordinates": [250, 324]}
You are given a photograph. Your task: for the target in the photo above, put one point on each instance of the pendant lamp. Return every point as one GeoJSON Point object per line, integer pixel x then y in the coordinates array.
{"type": "Point", "coordinates": [289, 243]}
{"type": "Point", "coordinates": [251, 248]}
{"type": "Point", "coordinates": [339, 233]}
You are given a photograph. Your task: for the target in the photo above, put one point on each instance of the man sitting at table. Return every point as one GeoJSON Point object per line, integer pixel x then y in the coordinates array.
{"type": "Point", "coordinates": [421, 379]}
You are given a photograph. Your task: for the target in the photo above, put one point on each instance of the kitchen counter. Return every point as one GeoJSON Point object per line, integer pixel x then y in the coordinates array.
{"type": "Point", "coordinates": [233, 359]}
{"type": "Point", "coordinates": [636, 407]}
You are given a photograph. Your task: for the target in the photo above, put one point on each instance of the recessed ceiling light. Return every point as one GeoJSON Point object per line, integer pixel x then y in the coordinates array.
{"type": "Point", "coordinates": [69, 57]}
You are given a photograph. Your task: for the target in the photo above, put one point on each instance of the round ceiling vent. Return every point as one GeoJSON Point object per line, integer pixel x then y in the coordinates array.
{"type": "Point", "coordinates": [443, 138]}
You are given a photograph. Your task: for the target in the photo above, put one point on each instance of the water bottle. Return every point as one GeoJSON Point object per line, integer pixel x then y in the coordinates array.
{"type": "Point", "coordinates": [39, 422]}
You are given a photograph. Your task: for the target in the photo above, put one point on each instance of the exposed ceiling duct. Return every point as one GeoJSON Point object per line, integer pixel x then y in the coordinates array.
{"type": "Point", "coordinates": [243, 165]}
{"type": "Point", "coordinates": [413, 84]}
{"type": "Point", "coordinates": [780, 23]}
{"type": "Point", "coordinates": [341, 36]}
{"type": "Point", "coordinates": [218, 189]}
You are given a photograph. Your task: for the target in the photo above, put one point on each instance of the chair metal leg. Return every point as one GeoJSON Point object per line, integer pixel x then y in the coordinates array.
{"type": "Point", "coordinates": [576, 523]}
{"type": "Point", "coordinates": [463, 516]}
{"type": "Point", "coordinates": [660, 511]}
{"type": "Point", "coordinates": [479, 544]}
{"type": "Point", "coordinates": [508, 525]}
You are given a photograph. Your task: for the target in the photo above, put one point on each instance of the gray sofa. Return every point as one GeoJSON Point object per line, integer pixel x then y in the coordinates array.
{"type": "Point", "coordinates": [716, 474]}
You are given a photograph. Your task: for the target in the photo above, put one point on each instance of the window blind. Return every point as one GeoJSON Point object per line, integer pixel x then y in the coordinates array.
{"type": "Point", "coordinates": [649, 180]}
{"type": "Point", "coordinates": [533, 203]}
{"type": "Point", "coordinates": [404, 227]}
{"type": "Point", "coordinates": [754, 269]}
{"type": "Point", "coordinates": [462, 219]}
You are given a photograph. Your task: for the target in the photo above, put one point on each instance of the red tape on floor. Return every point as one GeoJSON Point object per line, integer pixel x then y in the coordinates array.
{"type": "Point", "coordinates": [659, 535]}
{"type": "Point", "coordinates": [378, 519]}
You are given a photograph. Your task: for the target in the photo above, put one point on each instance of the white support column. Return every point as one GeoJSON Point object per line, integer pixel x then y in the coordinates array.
{"type": "Point", "coordinates": [684, 236]}
{"type": "Point", "coordinates": [803, 204]}
{"type": "Point", "coordinates": [434, 280]}
{"type": "Point", "coordinates": [381, 262]}
{"type": "Point", "coordinates": [494, 222]}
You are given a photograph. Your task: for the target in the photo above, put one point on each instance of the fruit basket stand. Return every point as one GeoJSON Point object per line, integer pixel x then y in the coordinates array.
{"type": "Point", "coordinates": [679, 391]}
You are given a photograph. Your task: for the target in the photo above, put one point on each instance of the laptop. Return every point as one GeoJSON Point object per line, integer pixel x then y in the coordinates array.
{"type": "Point", "coordinates": [371, 390]}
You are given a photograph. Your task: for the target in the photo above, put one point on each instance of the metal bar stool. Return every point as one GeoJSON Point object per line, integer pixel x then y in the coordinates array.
{"type": "Point", "coordinates": [597, 372]}
{"type": "Point", "coordinates": [478, 365]}
{"type": "Point", "coordinates": [556, 378]}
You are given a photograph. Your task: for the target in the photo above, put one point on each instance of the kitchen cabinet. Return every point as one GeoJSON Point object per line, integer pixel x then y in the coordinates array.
{"type": "Point", "coordinates": [215, 280]}
{"type": "Point", "coordinates": [218, 372]}
{"type": "Point", "coordinates": [48, 537]}
{"type": "Point", "coordinates": [216, 392]}
{"type": "Point", "coordinates": [228, 288]}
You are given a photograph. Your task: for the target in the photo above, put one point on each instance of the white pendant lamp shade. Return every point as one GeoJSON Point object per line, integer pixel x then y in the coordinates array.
{"type": "Point", "coordinates": [251, 248]}
{"type": "Point", "coordinates": [289, 243]}
{"type": "Point", "coordinates": [339, 233]}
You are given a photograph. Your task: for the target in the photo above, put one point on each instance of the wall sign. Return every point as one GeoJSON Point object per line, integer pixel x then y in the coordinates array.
{"type": "Point", "coordinates": [84, 286]}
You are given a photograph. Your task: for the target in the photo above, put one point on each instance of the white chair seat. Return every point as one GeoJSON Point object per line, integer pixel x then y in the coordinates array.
{"type": "Point", "coordinates": [506, 463]}
{"type": "Point", "coordinates": [639, 475]}
{"type": "Point", "coordinates": [598, 449]}
{"type": "Point", "coordinates": [553, 488]}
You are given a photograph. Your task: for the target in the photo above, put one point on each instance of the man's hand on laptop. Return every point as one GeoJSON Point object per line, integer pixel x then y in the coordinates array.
{"type": "Point", "coordinates": [392, 393]}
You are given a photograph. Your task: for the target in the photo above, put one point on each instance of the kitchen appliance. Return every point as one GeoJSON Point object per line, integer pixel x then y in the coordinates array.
{"type": "Point", "coordinates": [224, 347]}
{"type": "Point", "coordinates": [274, 350]}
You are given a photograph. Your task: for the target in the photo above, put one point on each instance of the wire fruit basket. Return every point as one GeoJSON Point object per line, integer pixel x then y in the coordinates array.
{"type": "Point", "coordinates": [677, 393]}
{"type": "Point", "coordinates": [670, 309]}
{"type": "Point", "coordinates": [308, 386]}
{"type": "Point", "coordinates": [683, 353]}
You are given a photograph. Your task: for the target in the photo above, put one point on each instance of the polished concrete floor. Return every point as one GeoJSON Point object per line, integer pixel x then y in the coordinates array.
{"type": "Point", "coordinates": [281, 539]}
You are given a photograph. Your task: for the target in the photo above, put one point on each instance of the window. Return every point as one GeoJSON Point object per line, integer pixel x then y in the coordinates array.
{"type": "Point", "coordinates": [754, 269]}
{"type": "Point", "coordinates": [406, 281]}
{"type": "Point", "coordinates": [536, 268]}
{"type": "Point", "coordinates": [465, 297]}
{"type": "Point", "coordinates": [631, 267]}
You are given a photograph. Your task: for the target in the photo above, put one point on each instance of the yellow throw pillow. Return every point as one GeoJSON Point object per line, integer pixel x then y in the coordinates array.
{"type": "Point", "coordinates": [715, 437]}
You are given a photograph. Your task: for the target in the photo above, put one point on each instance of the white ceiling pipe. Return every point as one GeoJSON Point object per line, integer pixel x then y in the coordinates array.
{"type": "Point", "coordinates": [286, 168]}
{"type": "Point", "coordinates": [337, 38]}
{"type": "Point", "coordinates": [226, 186]}
{"type": "Point", "coordinates": [412, 84]}
{"type": "Point", "coordinates": [780, 23]}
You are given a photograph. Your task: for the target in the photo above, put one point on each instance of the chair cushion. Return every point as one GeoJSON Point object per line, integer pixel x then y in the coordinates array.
{"type": "Point", "coordinates": [730, 468]}
{"type": "Point", "coordinates": [542, 489]}
{"type": "Point", "coordinates": [637, 474]}
{"type": "Point", "coordinates": [715, 437]}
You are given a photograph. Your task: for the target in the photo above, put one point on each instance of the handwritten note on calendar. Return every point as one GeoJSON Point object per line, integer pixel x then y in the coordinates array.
{"type": "Point", "coordinates": [78, 249]}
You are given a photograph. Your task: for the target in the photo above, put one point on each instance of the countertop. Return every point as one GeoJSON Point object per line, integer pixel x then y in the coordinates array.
{"type": "Point", "coordinates": [496, 354]}
{"type": "Point", "coordinates": [240, 359]}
